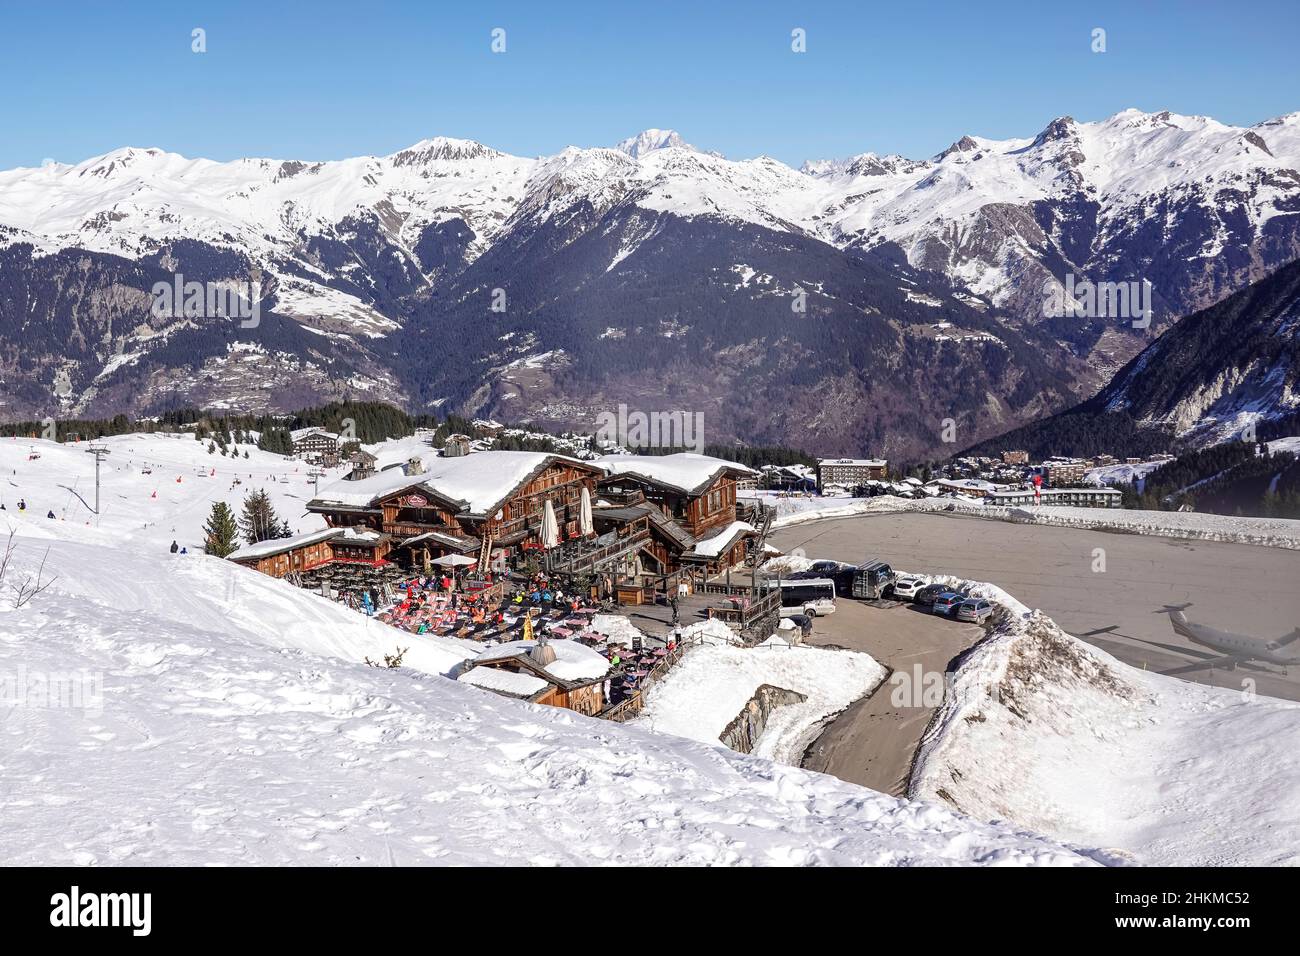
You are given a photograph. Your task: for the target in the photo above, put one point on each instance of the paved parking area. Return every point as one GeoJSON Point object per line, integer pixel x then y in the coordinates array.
{"type": "Point", "coordinates": [872, 743]}
{"type": "Point", "coordinates": [1243, 588]}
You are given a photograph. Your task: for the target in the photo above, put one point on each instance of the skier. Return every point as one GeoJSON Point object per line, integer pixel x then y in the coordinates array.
{"type": "Point", "coordinates": [22, 504]}
{"type": "Point", "coordinates": [175, 547]}
{"type": "Point", "coordinates": [50, 514]}
{"type": "Point", "coordinates": [184, 551]}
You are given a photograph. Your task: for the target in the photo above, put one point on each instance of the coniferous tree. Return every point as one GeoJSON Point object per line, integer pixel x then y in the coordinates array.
{"type": "Point", "coordinates": [221, 532]}
{"type": "Point", "coordinates": [259, 522]}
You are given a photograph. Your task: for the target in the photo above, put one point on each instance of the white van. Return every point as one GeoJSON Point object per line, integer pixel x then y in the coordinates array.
{"type": "Point", "coordinates": [812, 596]}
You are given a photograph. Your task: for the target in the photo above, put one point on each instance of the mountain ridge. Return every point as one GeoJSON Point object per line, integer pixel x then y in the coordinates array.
{"type": "Point", "coordinates": [364, 252]}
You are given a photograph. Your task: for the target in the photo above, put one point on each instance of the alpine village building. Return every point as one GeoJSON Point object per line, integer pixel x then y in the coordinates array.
{"type": "Point", "coordinates": [651, 515]}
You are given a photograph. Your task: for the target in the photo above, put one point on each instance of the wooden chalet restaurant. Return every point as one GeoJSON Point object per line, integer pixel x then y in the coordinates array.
{"type": "Point", "coordinates": [432, 543]}
{"type": "Point", "coordinates": [630, 518]}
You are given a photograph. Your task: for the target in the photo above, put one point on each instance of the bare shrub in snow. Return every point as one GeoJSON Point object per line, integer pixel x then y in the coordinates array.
{"type": "Point", "coordinates": [26, 588]}
{"type": "Point", "coordinates": [391, 661]}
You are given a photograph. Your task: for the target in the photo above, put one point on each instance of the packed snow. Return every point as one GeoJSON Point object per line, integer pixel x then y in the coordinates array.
{"type": "Point", "coordinates": [1048, 732]}
{"type": "Point", "coordinates": [182, 710]}
{"type": "Point", "coordinates": [715, 679]}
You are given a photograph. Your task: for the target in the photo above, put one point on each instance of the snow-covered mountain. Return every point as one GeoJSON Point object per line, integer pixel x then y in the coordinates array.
{"type": "Point", "coordinates": [1217, 372]}
{"type": "Point", "coordinates": [371, 253]}
{"type": "Point", "coordinates": [648, 140]}
{"type": "Point", "coordinates": [1226, 373]}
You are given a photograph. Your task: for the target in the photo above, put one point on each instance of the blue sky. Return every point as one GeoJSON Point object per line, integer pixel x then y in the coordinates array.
{"type": "Point", "coordinates": [324, 80]}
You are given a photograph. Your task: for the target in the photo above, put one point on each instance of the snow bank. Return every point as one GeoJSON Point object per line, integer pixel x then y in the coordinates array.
{"type": "Point", "coordinates": [1053, 734]}
{"type": "Point", "coordinates": [1270, 532]}
{"type": "Point", "coordinates": [715, 679]}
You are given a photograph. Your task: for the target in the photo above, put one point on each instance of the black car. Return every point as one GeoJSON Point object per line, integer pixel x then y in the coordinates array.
{"type": "Point", "coordinates": [825, 569]}
{"type": "Point", "coordinates": [928, 594]}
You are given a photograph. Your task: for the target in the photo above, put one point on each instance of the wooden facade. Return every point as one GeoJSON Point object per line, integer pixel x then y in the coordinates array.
{"type": "Point", "coordinates": [309, 555]}
{"type": "Point", "coordinates": [699, 510]}
{"type": "Point", "coordinates": [514, 520]}
{"type": "Point", "coordinates": [687, 516]}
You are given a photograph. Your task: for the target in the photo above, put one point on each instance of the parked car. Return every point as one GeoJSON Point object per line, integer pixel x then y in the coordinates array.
{"type": "Point", "coordinates": [947, 602]}
{"type": "Point", "coordinates": [974, 610]}
{"type": "Point", "coordinates": [843, 579]}
{"type": "Point", "coordinates": [906, 588]}
{"type": "Point", "coordinates": [927, 595]}
{"type": "Point", "coordinates": [824, 569]}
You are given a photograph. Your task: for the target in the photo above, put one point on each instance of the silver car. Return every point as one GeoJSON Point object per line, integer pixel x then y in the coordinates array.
{"type": "Point", "coordinates": [948, 602]}
{"type": "Point", "coordinates": [974, 610]}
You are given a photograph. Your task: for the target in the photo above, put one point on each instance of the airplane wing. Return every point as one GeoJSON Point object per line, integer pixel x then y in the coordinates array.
{"type": "Point", "coordinates": [1213, 662]}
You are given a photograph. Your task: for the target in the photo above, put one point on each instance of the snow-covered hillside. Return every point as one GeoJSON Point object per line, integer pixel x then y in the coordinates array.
{"type": "Point", "coordinates": [215, 716]}
{"type": "Point", "coordinates": [154, 489]}
{"type": "Point", "coordinates": [1051, 733]}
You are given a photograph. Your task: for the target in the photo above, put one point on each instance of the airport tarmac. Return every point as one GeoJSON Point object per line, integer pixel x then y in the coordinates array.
{"type": "Point", "coordinates": [1241, 588]}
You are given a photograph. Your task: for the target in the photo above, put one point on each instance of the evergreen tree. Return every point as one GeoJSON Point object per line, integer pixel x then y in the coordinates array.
{"type": "Point", "coordinates": [259, 521]}
{"type": "Point", "coordinates": [221, 531]}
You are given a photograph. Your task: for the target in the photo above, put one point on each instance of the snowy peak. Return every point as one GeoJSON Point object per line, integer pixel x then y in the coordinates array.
{"type": "Point", "coordinates": [1061, 129]}
{"type": "Point", "coordinates": [966, 144]}
{"type": "Point", "coordinates": [443, 149]}
{"type": "Point", "coordinates": [864, 164]}
{"type": "Point", "coordinates": [649, 140]}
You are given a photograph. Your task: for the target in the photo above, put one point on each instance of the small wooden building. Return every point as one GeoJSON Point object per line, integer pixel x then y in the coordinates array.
{"type": "Point", "coordinates": [363, 465]}
{"type": "Point", "coordinates": [530, 670]}
{"type": "Point", "coordinates": [279, 557]}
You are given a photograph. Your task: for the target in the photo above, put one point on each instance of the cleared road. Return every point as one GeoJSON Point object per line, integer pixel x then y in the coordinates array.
{"type": "Point", "coordinates": [1241, 588]}
{"type": "Point", "coordinates": [873, 741]}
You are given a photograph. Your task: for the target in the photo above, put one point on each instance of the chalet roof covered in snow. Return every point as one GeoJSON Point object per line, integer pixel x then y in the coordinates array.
{"type": "Point", "coordinates": [512, 683]}
{"type": "Point", "coordinates": [685, 471]}
{"type": "Point", "coordinates": [272, 546]}
{"type": "Point", "coordinates": [573, 662]}
{"type": "Point", "coordinates": [714, 545]}
{"type": "Point", "coordinates": [479, 483]}
{"type": "Point", "coordinates": [300, 433]}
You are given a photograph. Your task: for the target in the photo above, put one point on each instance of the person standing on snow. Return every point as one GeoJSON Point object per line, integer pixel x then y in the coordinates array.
{"type": "Point", "coordinates": [175, 547]}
